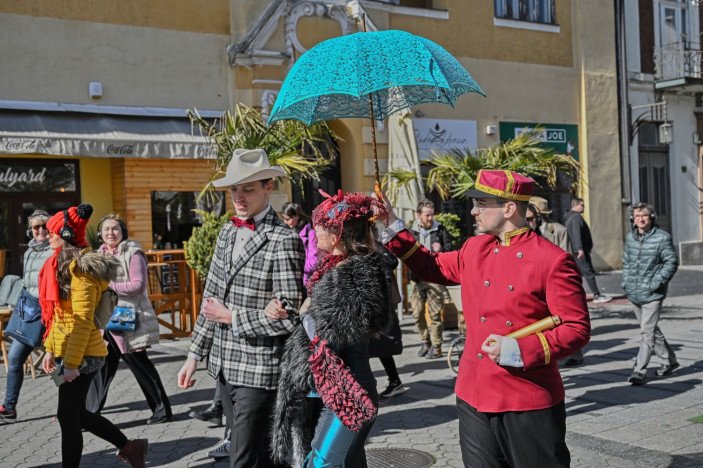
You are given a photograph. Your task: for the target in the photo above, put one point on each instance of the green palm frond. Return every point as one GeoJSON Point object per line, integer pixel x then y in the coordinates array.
{"type": "Point", "coordinates": [299, 150]}
{"type": "Point", "coordinates": [397, 179]}
{"type": "Point", "coordinates": [454, 173]}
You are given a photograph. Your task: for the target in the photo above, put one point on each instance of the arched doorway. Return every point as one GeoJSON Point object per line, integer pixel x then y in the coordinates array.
{"type": "Point", "coordinates": [307, 192]}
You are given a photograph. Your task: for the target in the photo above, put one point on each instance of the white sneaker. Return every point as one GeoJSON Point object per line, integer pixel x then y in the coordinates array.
{"type": "Point", "coordinates": [221, 451]}
{"type": "Point", "coordinates": [601, 299]}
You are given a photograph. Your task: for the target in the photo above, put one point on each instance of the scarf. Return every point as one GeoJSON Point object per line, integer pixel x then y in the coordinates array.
{"type": "Point", "coordinates": [49, 290]}
{"type": "Point", "coordinates": [327, 262]}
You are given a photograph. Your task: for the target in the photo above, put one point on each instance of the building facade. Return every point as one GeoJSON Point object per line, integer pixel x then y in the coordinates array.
{"type": "Point", "coordinates": [104, 89]}
{"type": "Point", "coordinates": [96, 97]}
{"type": "Point", "coordinates": [547, 63]}
{"type": "Point", "coordinates": [664, 82]}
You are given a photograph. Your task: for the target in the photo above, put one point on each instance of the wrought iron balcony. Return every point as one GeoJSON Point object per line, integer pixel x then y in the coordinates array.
{"type": "Point", "coordinates": [677, 67]}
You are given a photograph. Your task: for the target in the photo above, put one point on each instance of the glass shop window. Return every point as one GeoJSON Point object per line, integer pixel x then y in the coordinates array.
{"type": "Point", "coordinates": [175, 214]}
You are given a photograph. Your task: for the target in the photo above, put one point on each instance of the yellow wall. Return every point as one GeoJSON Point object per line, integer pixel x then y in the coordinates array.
{"type": "Point", "coordinates": [96, 180]}
{"type": "Point", "coordinates": [598, 125]}
{"type": "Point", "coordinates": [469, 32]}
{"type": "Point", "coordinates": [54, 60]}
{"type": "Point", "coordinates": [205, 16]}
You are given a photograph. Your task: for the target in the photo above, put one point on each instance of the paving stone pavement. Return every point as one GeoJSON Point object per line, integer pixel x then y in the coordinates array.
{"type": "Point", "coordinates": [609, 422]}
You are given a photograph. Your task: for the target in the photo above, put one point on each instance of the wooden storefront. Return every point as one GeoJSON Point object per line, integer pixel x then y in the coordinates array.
{"type": "Point", "coordinates": [134, 181]}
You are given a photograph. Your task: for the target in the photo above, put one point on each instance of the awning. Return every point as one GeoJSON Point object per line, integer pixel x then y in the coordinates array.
{"type": "Point", "coordinates": [100, 135]}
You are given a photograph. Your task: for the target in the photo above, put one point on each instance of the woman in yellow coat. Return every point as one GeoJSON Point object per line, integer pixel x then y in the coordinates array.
{"type": "Point", "coordinates": [70, 285]}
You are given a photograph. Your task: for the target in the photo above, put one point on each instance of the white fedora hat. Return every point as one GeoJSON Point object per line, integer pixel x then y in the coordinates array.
{"type": "Point", "coordinates": [248, 165]}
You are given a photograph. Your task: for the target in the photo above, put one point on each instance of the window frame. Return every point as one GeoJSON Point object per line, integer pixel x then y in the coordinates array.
{"type": "Point", "coordinates": [509, 10]}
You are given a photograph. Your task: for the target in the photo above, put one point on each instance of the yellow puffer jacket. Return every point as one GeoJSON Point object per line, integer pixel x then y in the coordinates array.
{"type": "Point", "coordinates": [74, 334]}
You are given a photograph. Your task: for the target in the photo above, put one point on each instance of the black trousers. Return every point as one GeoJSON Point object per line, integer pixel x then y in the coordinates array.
{"type": "Point", "coordinates": [518, 439]}
{"type": "Point", "coordinates": [143, 370]}
{"type": "Point", "coordinates": [248, 411]}
{"type": "Point", "coordinates": [586, 267]}
{"type": "Point", "coordinates": [73, 417]}
{"type": "Point", "coordinates": [389, 366]}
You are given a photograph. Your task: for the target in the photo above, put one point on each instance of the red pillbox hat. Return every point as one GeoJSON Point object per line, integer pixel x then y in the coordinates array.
{"type": "Point", "coordinates": [510, 185]}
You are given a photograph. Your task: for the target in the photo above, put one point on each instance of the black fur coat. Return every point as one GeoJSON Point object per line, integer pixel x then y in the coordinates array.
{"type": "Point", "coordinates": [349, 307]}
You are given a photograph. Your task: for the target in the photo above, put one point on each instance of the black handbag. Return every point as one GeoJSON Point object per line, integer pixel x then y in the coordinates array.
{"type": "Point", "coordinates": [25, 324]}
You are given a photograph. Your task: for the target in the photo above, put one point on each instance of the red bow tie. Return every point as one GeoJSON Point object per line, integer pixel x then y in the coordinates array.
{"type": "Point", "coordinates": [247, 223]}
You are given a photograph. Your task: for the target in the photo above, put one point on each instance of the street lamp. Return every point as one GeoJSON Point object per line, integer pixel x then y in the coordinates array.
{"type": "Point", "coordinates": [665, 133]}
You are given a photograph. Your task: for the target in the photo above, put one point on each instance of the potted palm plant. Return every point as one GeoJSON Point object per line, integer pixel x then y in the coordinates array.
{"type": "Point", "coordinates": [453, 174]}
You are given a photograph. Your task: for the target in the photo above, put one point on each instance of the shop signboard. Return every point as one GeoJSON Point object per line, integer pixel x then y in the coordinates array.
{"type": "Point", "coordinates": [562, 138]}
{"type": "Point", "coordinates": [38, 175]}
{"type": "Point", "coordinates": [442, 135]}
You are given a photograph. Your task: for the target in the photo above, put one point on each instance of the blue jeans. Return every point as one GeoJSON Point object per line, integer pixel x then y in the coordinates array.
{"type": "Point", "coordinates": [335, 446]}
{"type": "Point", "coordinates": [15, 372]}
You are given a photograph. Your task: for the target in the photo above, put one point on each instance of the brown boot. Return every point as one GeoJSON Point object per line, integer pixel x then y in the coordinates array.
{"type": "Point", "coordinates": [134, 452]}
{"type": "Point", "coordinates": [434, 353]}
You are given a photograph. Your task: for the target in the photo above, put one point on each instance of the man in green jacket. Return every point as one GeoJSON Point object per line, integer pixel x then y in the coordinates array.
{"type": "Point", "coordinates": [649, 263]}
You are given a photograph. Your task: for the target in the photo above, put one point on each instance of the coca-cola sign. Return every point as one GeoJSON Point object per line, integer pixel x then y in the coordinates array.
{"type": "Point", "coordinates": [38, 175]}
{"type": "Point", "coordinates": [120, 149]}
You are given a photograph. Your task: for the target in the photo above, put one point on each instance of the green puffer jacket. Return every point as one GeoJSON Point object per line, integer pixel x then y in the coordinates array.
{"type": "Point", "coordinates": [649, 262]}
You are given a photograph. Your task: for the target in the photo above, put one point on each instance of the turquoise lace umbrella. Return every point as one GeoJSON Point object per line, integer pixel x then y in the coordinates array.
{"type": "Point", "coordinates": [370, 75]}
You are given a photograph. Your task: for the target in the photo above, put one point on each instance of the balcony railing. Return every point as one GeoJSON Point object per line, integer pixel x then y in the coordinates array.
{"type": "Point", "coordinates": [678, 60]}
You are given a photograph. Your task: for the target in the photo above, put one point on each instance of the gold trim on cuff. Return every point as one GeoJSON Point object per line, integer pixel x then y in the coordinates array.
{"type": "Point", "coordinates": [409, 252]}
{"type": "Point", "coordinates": [545, 348]}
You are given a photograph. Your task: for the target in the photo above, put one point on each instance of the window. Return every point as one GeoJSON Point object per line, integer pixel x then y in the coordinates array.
{"type": "Point", "coordinates": [173, 217]}
{"type": "Point", "coordinates": [673, 23]}
{"type": "Point", "coordinates": [533, 11]}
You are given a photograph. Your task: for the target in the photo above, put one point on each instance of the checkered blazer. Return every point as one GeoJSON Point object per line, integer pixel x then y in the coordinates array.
{"type": "Point", "coordinates": [248, 352]}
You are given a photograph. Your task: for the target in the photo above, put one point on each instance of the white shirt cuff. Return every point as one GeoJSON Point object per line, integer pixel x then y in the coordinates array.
{"type": "Point", "coordinates": [392, 230]}
{"type": "Point", "coordinates": [510, 354]}
{"type": "Point", "coordinates": [197, 357]}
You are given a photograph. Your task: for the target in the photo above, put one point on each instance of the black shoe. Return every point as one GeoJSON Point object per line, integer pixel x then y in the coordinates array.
{"type": "Point", "coordinates": [394, 388]}
{"type": "Point", "coordinates": [424, 349]}
{"type": "Point", "coordinates": [667, 369]}
{"type": "Point", "coordinates": [7, 416]}
{"type": "Point", "coordinates": [156, 419]}
{"type": "Point", "coordinates": [571, 362]}
{"type": "Point", "coordinates": [637, 378]}
{"type": "Point", "coordinates": [213, 415]}
{"type": "Point", "coordinates": [435, 353]}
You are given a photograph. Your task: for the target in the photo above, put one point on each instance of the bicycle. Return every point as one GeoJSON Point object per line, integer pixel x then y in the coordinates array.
{"type": "Point", "coordinates": [454, 353]}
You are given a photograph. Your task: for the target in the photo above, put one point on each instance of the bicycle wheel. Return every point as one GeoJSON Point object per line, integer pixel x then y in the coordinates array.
{"type": "Point", "coordinates": [454, 353]}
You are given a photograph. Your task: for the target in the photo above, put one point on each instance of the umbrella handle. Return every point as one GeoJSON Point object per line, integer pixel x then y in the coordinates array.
{"type": "Point", "coordinates": [377, 184]}
{"type": "Point", "coordinates": [373, 141]}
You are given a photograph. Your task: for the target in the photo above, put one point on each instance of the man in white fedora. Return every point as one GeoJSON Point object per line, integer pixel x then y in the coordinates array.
{"type": "Point", "coordinates": [257, 264]}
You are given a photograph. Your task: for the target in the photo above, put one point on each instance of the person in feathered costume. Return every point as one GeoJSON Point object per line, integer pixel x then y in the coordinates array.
{"type": "Point", "coordinates": [347, 307]}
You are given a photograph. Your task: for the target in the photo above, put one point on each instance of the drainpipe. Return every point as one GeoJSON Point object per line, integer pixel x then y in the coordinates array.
{"type": "Point", "coordinates": [623, 111]}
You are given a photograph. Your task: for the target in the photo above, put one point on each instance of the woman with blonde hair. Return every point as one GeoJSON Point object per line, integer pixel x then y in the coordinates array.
{"type": "Point", "coordinates": [71, 283]}
{"type": "Point", "coordinates": [130, 346]}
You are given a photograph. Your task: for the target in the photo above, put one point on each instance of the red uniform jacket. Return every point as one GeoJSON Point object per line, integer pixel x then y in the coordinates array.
{"type": "Point", "coordinates": [504, 288]}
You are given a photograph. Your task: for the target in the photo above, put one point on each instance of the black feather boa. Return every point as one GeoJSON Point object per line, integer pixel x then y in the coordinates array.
{"type": "Point", "coordinates": [349, 307]}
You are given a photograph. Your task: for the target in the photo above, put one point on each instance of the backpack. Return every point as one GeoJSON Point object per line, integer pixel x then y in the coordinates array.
{"type": "Point", "coordinates": [106, 305]}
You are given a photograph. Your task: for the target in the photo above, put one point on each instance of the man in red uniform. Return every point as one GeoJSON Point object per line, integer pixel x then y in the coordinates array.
{"type": "Point", "coordinates": [510, 396]}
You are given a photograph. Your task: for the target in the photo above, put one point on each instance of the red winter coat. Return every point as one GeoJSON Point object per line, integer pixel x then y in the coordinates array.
{"type": "Point", "coordinates": [504, 288]}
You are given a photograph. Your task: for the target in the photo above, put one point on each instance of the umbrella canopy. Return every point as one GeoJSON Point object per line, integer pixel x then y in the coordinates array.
{"type": "Point", "coordinates": [335, 78]}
